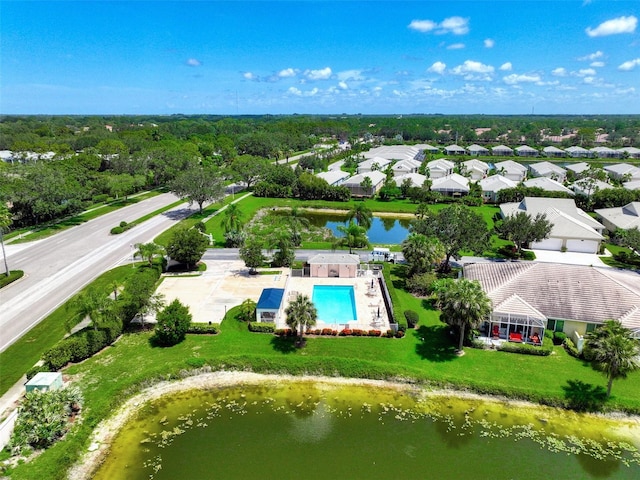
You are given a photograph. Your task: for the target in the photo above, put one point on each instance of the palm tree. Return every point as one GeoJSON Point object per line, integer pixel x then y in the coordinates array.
{"type": "Point", "coordinates": [232, 220]}
{"type": "Point", "coordinates": [354, 236]}
{"type": "Point", "coordinates": [91, 304]}
{"type": "Point", "coordinates": [361, 214]}
{"type": "Point", "coordinates": [421, 253]}
{"type": "Point", "coordinates": [615, 352]}
{"type": "Point", "coordinates": [5, 221]}
{"type": "Point", "coordinates": [463, 304]}
{"type": "Point", "coordinates": [148, 251]}
{"type": "Point", "coordinates": [297, 222]}
{"type": "Point", "coordinates": [153, 304]}
{"type": "Point", "coordinates": [301, 313]}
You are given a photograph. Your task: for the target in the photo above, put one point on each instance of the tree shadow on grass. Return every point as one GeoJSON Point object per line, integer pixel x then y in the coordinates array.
{"type": "Point", "coordinates": [284, 344]}
{"type": "Point", "coordinates": [584, 397]}
{"type": "Point", "coordinates": [434, 344]}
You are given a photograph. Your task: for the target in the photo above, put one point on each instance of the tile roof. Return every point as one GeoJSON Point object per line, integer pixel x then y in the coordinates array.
{"type": "Point", "coordinates": [569, 292]}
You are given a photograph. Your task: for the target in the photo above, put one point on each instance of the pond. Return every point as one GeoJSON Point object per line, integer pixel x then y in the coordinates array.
{"type": "Point", "coordinates": [384, 230]}
{"type": "Point", "coordinates": [316, 430]}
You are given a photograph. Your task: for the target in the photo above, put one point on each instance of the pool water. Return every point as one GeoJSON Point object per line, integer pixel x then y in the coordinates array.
{"type": "Point", "coordinates": [335, 303]}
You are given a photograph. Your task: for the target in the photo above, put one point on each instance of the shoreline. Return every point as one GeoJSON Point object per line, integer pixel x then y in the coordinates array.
{"type": "Point", "coordinates": [108, 429]}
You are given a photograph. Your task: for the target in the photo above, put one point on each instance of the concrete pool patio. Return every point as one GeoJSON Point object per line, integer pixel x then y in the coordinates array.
{"type": "Point", "coordinates": [226, 284]}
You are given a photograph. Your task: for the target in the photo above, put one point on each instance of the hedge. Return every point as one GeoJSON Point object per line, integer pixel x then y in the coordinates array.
{"type": "Point", "coordinates": [260, 327]}
{"type": "Point", "coordinates": [412, 318]}
{"type": "Point", "coordinates": [526, 349]}
{"type": "Point", "coordinates": [571, 348]}
{"type": "Point", "coordinates": [204, 328]}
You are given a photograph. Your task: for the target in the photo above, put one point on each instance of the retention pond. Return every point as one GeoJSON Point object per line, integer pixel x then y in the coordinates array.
{"type": "Point", "coordinates": [319, 430]}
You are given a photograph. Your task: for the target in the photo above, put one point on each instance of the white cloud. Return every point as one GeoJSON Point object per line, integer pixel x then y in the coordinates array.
{"type": "Point", "coordinates": [614, 26]}
{"type": "Point", "coordinates": [343, 85]}
{"type": "Point", "coordinates": [455, 46]}
{"type": "Point", "coordinates": [353, 74]}
{"type": "Point", "coordinates": [455, 25]}
{"type": "Point", "coordinates": [295, 91]}
{"type": "Point", "coordinates": [629, 65]}
{"type": "Point", "coordinates": [506, 67]}
{"type": "Point", "coordinates": [592, 56]}
{"type": "Point", "coordinates": [489, 43]}
{"type": "Point", "coordinates": [596, 64]}
{"type": "Point", "coordinates": [287, 73]}
{"type": "Point", "coordinates": [249, 76]}
{"type": "Point", "coordinates": [299, 93]}
{"type": "Point", "coordinates": [586, 72]}
{"type": "Point", "coordinates": [322, 74]}
{"type": "Point", "coordinates": [515, 79]}
{"type": "Point", "coordinates": [471, 66]}
{"type": "Point", "coordinates": [559, 72]}
{"type": "Point", "coordinates": [193, 62]}
{"type": "Point", "coordinates": [437, 67]}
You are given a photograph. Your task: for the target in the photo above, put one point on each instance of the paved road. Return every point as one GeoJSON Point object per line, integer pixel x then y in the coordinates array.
{"type": "Point", "coordinates": [57, 267]}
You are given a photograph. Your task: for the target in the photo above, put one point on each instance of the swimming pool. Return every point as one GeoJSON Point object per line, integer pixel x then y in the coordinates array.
{"type": "Point", "coordinates": [335, 303]}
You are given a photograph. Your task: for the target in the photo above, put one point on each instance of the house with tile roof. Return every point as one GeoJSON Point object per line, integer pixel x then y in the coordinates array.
{"type": "Point", "coordinates": [549, 170]}
{"type": "Point", "coordinates": [404, 167]}
{"type": "Point", "coordinates": [552, 151]}
{"type": "Point", "coordinates": [573, 230]}
{"type": "Point", "coordinates": [589, 186]}
{"type": "Point", "coordinates": [354, 184]}
{"type": "Point", "coordinates": [454, 150]}
{"type": "Point", "coordinates": [575, 299]}
{"type": "Point", "coordinates": [417, 180]}
{"type": "Point", "coordinates": [620, 171]}
{"type": "Point", "coordinates": [548, 185]}
{"type": "Point", "coordinates": [492, 185]}
{"type": "Point", "coordinates": [373, 164]}
{"type": "Point", "coordinates": [440, 168]}
{"type": "Point", "coordinates": [475, 169]}
{"type": "Point", "coordinates": [526, 151]}
{"type": "Point", "coordinates": [512, 170]}
{"type": "Point", "coordinates": [620, 217]}
{"type": "Point", "coordinates": [451, 185]}
{"type": "Point", "coordinates": [578, 152]}
{"type": "Point", "coordinates": [502, 150]}
{"type": "Point", "coordinates": [477, 150]}
{"type": "Point", "coordinates": [578, 168]}
{"type": "Point", "coordinates": [333, 177]}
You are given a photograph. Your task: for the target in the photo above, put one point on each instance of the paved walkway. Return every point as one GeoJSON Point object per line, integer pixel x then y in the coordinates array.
{"type": "Point", "coordinates": [570, 258]}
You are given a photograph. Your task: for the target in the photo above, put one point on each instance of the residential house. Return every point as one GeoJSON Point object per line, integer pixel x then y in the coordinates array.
{"type": "Point", "coordinates": [589, 186]}
{"type": "Point", "coordinates": [417, 180]}
{"type": "Point", "coordinates": [527, 151]}
{"type": "Point", "coordinates": [632, 185]}
{"type": "Point", "coordinates": [404, 167]}
{"type": "Point", "coordinates": [454, 150]}
{"type": "Point", "coordinates": [620, 217]}
{"type": "Point", "coordinates": [372, 164]}
{"type": "Point", "coordinates": [573, 230]}
{"type": "Point", "coordinates": [512, 170]}
{"type": "Point", "coordinates": [578, 168]}
{"type": "Point", "coordinates": [394, 152]}
{"type": "Point", "coordinates": [623, 171]}
{"type": "Point", "coordinates": [475, 169]}
{"type": "Point", "coordinates": [578, 152]}
{"type": "Point", "coordinates": [451, 185]}
{"type": "Point", "coordinates": [632, 152]}
{"type": "Point", "coordinates": [549, 170]}
{"type": "Point", "coordinates": [492, 185]}
{"type": "Point", "coordinates": [354, 184]}
{"type": "Point", "coordinates": [502, 151]}
{"type": "Point", "coordinates": [477, 150]}
{"type": "Point", "coordinates": [547, 184]}
{"type": "Point", "coordinates": [606, 152]}
{"type": "Point", "coordinates": [440, 168]}
{"type": "Point", "coordinates": [333, 177]}
{"type": "Point", "coordinates": [529, 297]}
{"type": "Point", "coordinates": [554, 152]}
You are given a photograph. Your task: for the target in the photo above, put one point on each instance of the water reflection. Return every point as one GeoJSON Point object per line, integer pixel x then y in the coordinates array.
{"type": "Point", "coordinates": [384, 230]}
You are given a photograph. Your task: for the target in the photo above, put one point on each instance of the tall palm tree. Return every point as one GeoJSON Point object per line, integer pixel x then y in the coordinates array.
{"type": "Point", "coordinates": [5, 221]}
{"type": "Point", "coordinates": [463, 304]}
{"type": "Point", "coordinates": [615, 352]}
{"type": "Point", "coordinates": [148, 251]}
{"type": "Point", "coordinates": [421, 253]}
{"type": "Point", "coordinates": [297, 222]}
{"type": "Point", "coordinates": [361, 214]}
{"type": "Point", "coordinates": [301, 313]}
{"type": "Point", "coordinates": [91, 304]}
{"type": "Point", "coordinates": [354, 236]}
{"type": "Point", "coordinates": [232, 220]}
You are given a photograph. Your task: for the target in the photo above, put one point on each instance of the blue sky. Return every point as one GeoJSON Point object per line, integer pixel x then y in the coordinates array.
{"type": "Point", "coordinates": [283, 57]}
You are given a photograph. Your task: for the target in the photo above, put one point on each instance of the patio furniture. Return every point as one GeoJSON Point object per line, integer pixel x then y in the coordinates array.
{"type": "Point", "coordinates": [496, 332]}
{"type": "Point", "coordinates": [515, 337]}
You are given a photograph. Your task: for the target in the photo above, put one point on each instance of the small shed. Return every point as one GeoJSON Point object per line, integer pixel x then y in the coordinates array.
{"type": "Point", "coordinates": [340, 265]}
{"type": "Point", "coordinates": [44, 381]}
{"type": "Point", "coordinates": [269, 304]}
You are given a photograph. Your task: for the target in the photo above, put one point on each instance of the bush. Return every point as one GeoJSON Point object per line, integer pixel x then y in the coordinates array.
{"type": "Point", "coordinates": [117, 230]}
{"type": "Point", "coordinates": [374, 333]}
{"type": "Point", "coordinates": [285, 332]}
{"type": "Point", "coordinates": [103, 197]}
{"type": "Point", "coordinates": [345, 332]}
{"type": "Point", "coordinates": [260, 327]}
{"type": "Point", "coordinates": [204, 329]}
{"type": "Point", "coordinates": [399, 333]}
{"type": "Point", "coordinates": [421, 284]}
{"type": "Point", "coordinates": [123, 224]}
{"type": "Point", "coordinates": [528, 255]}
{"type": "Point", "coordinates": [78, 348]}
{"type": "Point", "coordinates": [526, 349]}
{"type": "Point", "coordinates": [570, 347]}
{"type": "Point", "coordinates": [412, 318]}
{"type": "Point", "coordinates": [559, 338]}
{"type": "Point", "coordinates": [35, 370]}
{"type": "Point", "coordinates": [173, 323]}
{"type": "Point", "coordinates": [57, 356]}
{"type": "Point", "coordinates": [13, 276]}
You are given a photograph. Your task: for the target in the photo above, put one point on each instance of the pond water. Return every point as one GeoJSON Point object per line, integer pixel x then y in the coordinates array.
{"type": "Point", "coordinates": [384, 230]}
{"type": "Point", "coordinates": [316, 430]}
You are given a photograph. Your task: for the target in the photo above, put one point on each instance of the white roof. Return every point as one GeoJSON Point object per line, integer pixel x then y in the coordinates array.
{"type": "Point", "coordinates": [376, 177]}
{"type": "Point", "coordinates": [382, 162]}
{"type": "Point", "coordinates": [495, 183]}
{"type": "Point", "coordinates": [333, 176]}
{"type": "Point", "coordinates": [393, 152]}
{"type": "Point", "coordinates": [547, 184]}
{"type": "Point", "coordinates": [622, 217]}
{"type": "Point", "coordinates": [417, 180]}
{"type": "Point", "coordinates": [427, 147]}
{"type": "Point", "coordinates": [501, 148]}
{"type": "Point", "coordinates": [454, 148]}
{"type": "Point", "coordinates": [582, 185]}
{"type": "Point", "coordinates": [578, 167]}
{"type": "Point", "coordinates": [477, 148]}
{"type": "Point", "coordinates": [511, 167]}
{"type": "Point", "coordinates": [454, 182]}
{"type": "Point", "coordinates": [633, 185]}
{"type": "Point", "coordinates": [620, 168]}
{"type": "Point", "coordinates": [535, 205]}
{"type": "Point", "coordinates": [543, 168]}
{"type": "Point", "coordinates": [475, 164]}
{"type": "Point", "coordinates": [407, 164]}
{"type": "Point", "coordinates": [552, 149]}
{"type": "Point", "coordinates": [334, 258]}
{"type": "Point", "coordinates": [602, 149]}
{"type": "Point", "coordinates": [441, 164]}
{"type": "Point", "coordinates": [577, 149]}
{"type": "Point", "coordinates": [629, 150]}
{"type": "Point", "coordinates": [525, 148]}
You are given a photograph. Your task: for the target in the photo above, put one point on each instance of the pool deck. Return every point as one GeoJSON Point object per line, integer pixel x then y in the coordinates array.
{"type": "Point", "coordinates": [226, 284]}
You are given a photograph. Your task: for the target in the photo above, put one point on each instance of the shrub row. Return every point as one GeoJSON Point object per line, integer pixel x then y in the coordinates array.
{"type": "Point", "coordinates": [261, 327]}
{"type": "Point", "coordinates": [571, 348]}
{"type": "Point", "coordinates": [81, 345]}
{"type": "Point", "coordinates": [356, 332]}
{"type": "Point", "coordinates": [347, 332]}
{"type": "Point", "coordinates": [123, 227]}
{"type": "Point", "coordinates": [13, 276]}
{"type": "Point", "coordinates": [526, 349]}
{"type": "Point", "coordinates": [397, 313]}
{"type": "Point", "coordinates": [412, 318]}
{"type": "Point", "coordinates": [204, 328]}
{"type": "Point", "coordinates": [559, 338]}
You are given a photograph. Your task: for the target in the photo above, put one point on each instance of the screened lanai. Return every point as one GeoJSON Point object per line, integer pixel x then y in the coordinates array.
{"type": "Point", "coordinates": [515, 320]}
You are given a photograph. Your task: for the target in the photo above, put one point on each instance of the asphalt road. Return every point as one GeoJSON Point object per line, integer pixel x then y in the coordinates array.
{"type": "Point", "coordinates": [57, 267]}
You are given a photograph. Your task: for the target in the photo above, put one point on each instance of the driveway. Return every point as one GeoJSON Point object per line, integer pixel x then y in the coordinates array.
{"type": "Point", "coordinates": [570, 258]}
